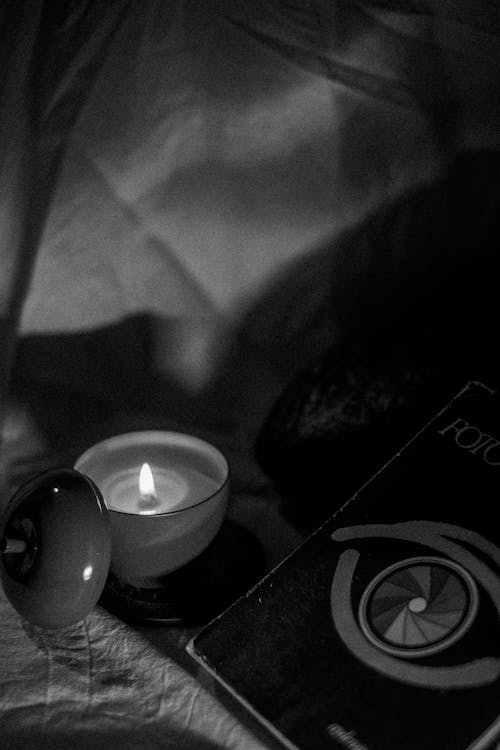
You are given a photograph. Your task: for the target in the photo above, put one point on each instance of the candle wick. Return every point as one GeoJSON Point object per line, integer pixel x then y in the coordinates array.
{"type": "Point", "coordinates": [148, 497]}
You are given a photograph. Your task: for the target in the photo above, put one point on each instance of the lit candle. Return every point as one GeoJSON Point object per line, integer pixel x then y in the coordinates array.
{"type": "Point", "coordinates": [166, 493]}
{"type": "Point", "coordinates": [148, 491]}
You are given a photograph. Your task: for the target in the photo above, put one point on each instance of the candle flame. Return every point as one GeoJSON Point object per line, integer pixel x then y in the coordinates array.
{"type": "Point", "coordinates": [146, 482]}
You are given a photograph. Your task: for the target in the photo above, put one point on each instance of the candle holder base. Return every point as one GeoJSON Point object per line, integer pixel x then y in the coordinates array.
{"type": "Point", "coordinates": [198, 591]}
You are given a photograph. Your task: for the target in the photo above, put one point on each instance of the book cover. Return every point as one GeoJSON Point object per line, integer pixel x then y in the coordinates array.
{"type": "Point", "coordinates": [382, 630]}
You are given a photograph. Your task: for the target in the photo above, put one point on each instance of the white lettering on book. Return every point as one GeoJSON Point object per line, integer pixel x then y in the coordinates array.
{"type": "Point", "coordinates": [473, 440]}
{"type": "Point", "coordinates": [337, 732]}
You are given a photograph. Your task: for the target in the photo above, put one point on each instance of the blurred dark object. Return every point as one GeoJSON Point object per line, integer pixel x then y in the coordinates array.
{"type": "Point", "coordinates": [414, 332]}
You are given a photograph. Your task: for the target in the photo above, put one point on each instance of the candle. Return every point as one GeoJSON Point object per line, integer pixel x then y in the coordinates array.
{"type": "Point", "coordinates": [149, 490]}
{"type": "Point", "coordinates": [166, 493]}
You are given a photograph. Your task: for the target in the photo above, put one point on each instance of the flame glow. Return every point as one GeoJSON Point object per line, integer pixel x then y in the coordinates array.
{"type": "Point", "coordinates": [146, 482]}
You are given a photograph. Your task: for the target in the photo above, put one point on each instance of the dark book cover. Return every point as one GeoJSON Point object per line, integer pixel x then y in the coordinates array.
{"type": "Point", "coordinates": [382, 630]}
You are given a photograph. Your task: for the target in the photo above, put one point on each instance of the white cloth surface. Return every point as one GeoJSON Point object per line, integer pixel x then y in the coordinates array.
{"type": "Point", "coordinates": [104, 684]}
{"type": "Point", "coordinates": [99, 684]}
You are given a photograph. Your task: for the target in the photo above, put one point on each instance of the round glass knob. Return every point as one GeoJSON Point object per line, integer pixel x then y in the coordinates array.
{"type": "Point", "coordinates": [55, 548]}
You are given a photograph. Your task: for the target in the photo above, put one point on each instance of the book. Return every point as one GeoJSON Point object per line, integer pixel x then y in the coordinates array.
{"type": "Point", "coordinates": [382, 630]}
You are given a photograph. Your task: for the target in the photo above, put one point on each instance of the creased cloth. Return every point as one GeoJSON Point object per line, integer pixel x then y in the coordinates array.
{"type": "Point", "coordinates": [98, 684]}
{"type": "Point", "coordinates": [191, 153]}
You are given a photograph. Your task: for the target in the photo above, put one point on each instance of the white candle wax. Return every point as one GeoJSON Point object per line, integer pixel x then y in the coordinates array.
{"type": "Point", "coordinates": [176, 488]}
